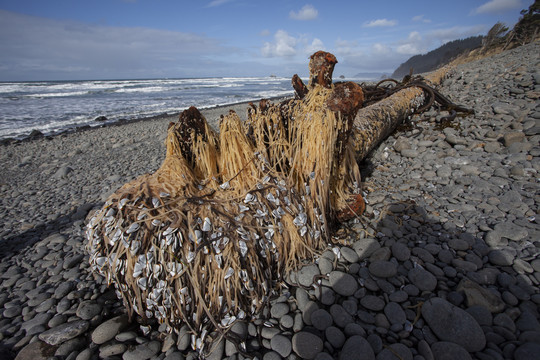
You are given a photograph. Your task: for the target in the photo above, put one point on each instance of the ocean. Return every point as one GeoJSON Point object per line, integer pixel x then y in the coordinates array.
{"type": "Point", "coordinates": [57, 106]}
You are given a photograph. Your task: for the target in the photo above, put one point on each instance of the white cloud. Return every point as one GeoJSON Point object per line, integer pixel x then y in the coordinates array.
{"type": "Point", "coordinates": [40, 48]}
{"type": "Point", "coordinates": [421, 18]}
{"type": "Point", "coordinates": [265, 32]}
{"type": "Point", "coordinates": [380, 22]}
{"type": "Point", "coordinates": [456, 32]}
{"type": "Point", "coordinates": [381, 49]}
{"type": "Point", "coordinates": [315, 45]}
{"type": "Point", "coordinates": [217, 3]}
{"type": "Point", "coordinates": [497, 6]}
{"type": "Point", "coordinates": [284, 45]}
{"type": "Point", "coordinates": [412, 45]}
{"type": "Point", "coordinates": [307, 12]}
{"type": "Point", "coordinates": [346, 47]}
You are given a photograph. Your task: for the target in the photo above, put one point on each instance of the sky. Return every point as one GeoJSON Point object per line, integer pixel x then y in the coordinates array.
{"type": "Point", "coordinates": [140, 39]}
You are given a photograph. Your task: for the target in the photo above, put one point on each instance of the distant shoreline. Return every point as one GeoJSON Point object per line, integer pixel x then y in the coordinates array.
{"type": "Point", "coordinates": [212, 113]}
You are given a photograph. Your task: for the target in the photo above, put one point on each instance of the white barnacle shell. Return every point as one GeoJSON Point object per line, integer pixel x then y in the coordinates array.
{"type": "Point", "coordinates": [142, 215]}
{"type": "Point", "coordinates": [300, 220]}
{"type": "Point", "coordinates": [142, 282]}
{"type": "Point", "coordinates": [270, 197]}
{"type": "Point", "coordinates": [207, 224]}
{"type": "Point", "coordinates": [190, 256]}
{"type": "Point", "coordinates": [303, 230]}
{"type": "Point", "coordinates": [243, 247]}
{"type": "Point", "coordinates": [133, 227]}
{"type": "Point", "coordinates": [243, 208]}
{"type": "Point", "coordinates": [137, 269]}
{"type": "Point", "coordinates": [110, 212]}
{"type": "Point", "coordinates": [266, 179]}
{"type": "Point", "coordinates": [249, 198]}
{"type": "Point", "coordinates": [100, 261]}
{"type": "Point", "coordinates": [164, 194]}
{"type": "Point", "coordinates": [156, 222]}
{"type": "Point", "coordinates": [115, 237]}
{"type": "Point", "coordinates": [168, 230]}
{"type": "Point", "coordinates": [135, 246]}
{"type": "Point", "coordinates": [219, 260]}
{"type": "Point", "coordinates": [228, 320]}
{"type": "Point", "coordinates": [198, 236]}
{"type": "Point", "coordinates": [122, 203]}
{"type": "Point", "coordinates": [225, 185]}
{"type": "Point", "coordinates": [269, 233]}
{"type": "Point", "coordinates": [156, 202]}
{"type": "Point", "coordinates": [229, 273]}
{"type": "Point", "coordinates": [145, 329]}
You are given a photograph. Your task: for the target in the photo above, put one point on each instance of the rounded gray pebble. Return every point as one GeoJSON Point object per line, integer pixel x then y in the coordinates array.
{"type": "Point", "coordinates": [306, 345]}
{"type": "Point", "coordinates": [279, 309]}
{"type": "Point", "coordinates": [422, 279]}
{"type": "Point", "coordinates": [383, 269]}
{"type": "Point", "coordinates": [446, 350]}
{"type": "Point", "coordinates": [321, 319]}
{"type": "Point", "coordinates": [343, 283]}
{"type": "Point", "coordinates": [372, 302]}
{"type": "Point", "coordinates": [451, 323]}
{"type": "Point", "coordinates": [357, 348]}
{"type": "Point", "coordinates": [281, 344]}
{"type": "Point", "coordinates": [402, 352]}
{"type": "Point", "coordinates": [349, 255]}
{"type": "Point", "coordinates": [335, 337]}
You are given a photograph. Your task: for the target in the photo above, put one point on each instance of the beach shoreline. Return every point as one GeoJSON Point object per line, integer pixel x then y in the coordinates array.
{"type": "Point", "coordinates": [450, 236]}
{"type": "Point", "coordinates": [211, 112]}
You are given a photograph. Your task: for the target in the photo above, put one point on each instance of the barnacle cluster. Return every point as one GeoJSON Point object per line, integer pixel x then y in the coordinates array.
{"type": "Point", "coordinates": [205, 239]}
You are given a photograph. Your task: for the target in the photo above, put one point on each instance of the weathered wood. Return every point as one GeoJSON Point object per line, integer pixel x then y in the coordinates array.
{"type": "Point", "coordinates": [376, 122]}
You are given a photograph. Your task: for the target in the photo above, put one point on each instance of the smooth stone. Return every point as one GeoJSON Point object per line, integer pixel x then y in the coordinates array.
{"type": "Point", "coordinates": [400, 251]}
{"type": "Point", "coordinates": [37, 350]}
{"type": "Point", "coordinates": [335, 337]}
{"type": "Point", "coordinates": [39, 319]}
{"type": "Point", "coordinates": [481, 314]}
{"type": "Point", "coordinates": [372, 302]}
{"type": "Point", "coordinates": [143, 351]}
{"type": "Point", "coordinates": [356, 348]}
{"type": "Point", "coordinates": [88, 309]}
{"type": "Point", "coordinates": [321, 319]}
{"type": "Point", "coordinates": [394, 352]}
{"type": "Point", "coordinates": [63, 289]}
{"type": "Point", "coordinates": [422, 279]}
{"type": "Point", "coordinates": [528, 351]}
{"type": "Point", "coordinates": [279, 309]}
{"type": "Point", "coordinates": [340, 316]}
{"type": "Point", "coordinates": [501, 257]}
{"type": "Point", "coordinates": [454, 324]}
{"type": "Point", "coordinates": [395, 313]}
{"type": "Point", "coordinates": [306, 345]}
{"type": "Point", "coordinates": [445, 350]}
{"type": "Point", "coordinates": [383, 269]}
{"type": "Point", "coordinates": [108, 329]}
{"type": "Point", "coordinates": [325, 266]}
{"type": "Point", "coordinates": [477, 295]}
{"type": "Point", "coordinates": [64, 332]}
{"type": "Point", "coordinates": [349, 254]}
{"type": "Point", "coordinates": [281, 344]}
{"type": "Point", "coordinates": [365, 247]}
{"type": "Point", "coordinates": [307, 273]}
{"type": "Point", "coordinates": [343, 283]}
{"type": "Point", "coordinates": [106, 351]}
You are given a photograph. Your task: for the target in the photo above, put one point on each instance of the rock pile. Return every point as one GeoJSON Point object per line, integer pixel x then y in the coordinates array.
{"type": "Point", "coordinates": [445, 263]}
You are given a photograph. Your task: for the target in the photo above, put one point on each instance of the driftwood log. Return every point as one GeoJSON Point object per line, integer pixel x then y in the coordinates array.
{"type": "Point", "coordinates": [207, 238]}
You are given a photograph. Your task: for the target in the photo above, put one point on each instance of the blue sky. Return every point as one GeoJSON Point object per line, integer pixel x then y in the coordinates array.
{"type": "Point", "coordinates": [126, 39]}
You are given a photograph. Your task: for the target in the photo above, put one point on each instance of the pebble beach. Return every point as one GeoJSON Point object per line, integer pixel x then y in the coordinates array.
{"type": "Point", "coordinates": [444, 264]}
